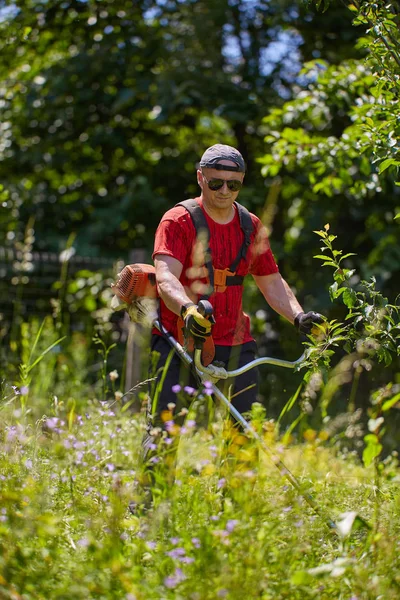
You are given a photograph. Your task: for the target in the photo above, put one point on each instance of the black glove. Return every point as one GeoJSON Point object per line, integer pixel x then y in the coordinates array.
{"type": "Point", "coordinates": [196, 325]}
{"type": "Point", "coordinates": [304, 322]}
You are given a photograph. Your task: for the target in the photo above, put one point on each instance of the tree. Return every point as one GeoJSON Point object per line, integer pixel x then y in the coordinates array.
{"type": "Point", "coordinates": [334, 148]}
{"type": "Point", "coordinates": [107, 105]}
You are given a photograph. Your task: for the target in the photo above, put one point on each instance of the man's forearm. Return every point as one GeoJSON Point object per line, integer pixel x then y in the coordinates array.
{"type": "Point", "coordinates": [172, 292]}
{"type": "Point", "coordinates": [279, 296]}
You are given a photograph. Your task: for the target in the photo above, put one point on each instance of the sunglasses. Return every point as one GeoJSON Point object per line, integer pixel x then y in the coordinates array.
{"type": "Point", "coordinates": [234, 185]}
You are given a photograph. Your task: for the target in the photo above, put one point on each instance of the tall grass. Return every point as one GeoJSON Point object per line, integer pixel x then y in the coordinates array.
{"type": "Point", "coordinates": [69, 467]}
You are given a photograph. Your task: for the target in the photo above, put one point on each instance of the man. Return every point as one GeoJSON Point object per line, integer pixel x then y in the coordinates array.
{"type": "Point", "coordinates": [180, 259]}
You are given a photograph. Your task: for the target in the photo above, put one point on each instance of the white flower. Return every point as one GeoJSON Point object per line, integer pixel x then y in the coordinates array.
{"type": "Point", "coordinates": [114, 375]}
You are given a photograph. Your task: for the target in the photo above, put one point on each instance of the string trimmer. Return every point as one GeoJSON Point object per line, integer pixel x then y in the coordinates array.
{"type": "Point", "coordinates": [136, 291]}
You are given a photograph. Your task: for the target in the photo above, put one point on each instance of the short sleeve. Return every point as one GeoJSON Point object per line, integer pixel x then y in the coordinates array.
{"type": "Point", "coordinates": [262, 261]}
{"type": "Point", "coordinates": [172, 237]}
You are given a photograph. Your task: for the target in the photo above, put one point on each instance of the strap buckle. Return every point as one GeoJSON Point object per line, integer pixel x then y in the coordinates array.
{"type": "Point", "coordinates": [220, 276]}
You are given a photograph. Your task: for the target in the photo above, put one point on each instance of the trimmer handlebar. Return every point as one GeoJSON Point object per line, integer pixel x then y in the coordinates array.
{"type": "Point", "coordinates": [206, 310]}
{"type": "Point", "coordinates": [216, 373]}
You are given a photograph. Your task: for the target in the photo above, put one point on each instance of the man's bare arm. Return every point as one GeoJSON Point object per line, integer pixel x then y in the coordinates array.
{"type": "Point", "coordinates": [279, 295]}
{"type": "Point", "coordinates": [170, 289]}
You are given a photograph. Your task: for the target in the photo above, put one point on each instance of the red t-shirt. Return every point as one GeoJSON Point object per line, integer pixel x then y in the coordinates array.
{"type": "Point", "coordinates": [176, 237]}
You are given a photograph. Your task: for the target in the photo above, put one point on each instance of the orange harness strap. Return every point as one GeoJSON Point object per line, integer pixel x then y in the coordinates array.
{"type": "Point", "coordinates": [224, 278]}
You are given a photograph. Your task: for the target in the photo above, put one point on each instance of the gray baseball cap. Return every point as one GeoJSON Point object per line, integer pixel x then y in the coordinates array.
{"type": "Point", "coordinates": [213, 155]}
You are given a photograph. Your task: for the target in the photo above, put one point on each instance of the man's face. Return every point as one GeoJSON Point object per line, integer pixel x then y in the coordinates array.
{"type": "Point", "coordinates": [222, 198]}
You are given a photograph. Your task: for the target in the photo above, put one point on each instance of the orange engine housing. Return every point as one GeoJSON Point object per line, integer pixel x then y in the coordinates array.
{"type": "Point", "coordinates": [136, 281]}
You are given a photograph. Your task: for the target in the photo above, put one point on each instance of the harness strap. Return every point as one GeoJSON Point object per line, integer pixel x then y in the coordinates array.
{"type": "Point", "coordinates": [246, 225]}
{"type": "Point", "coordinates": [200, 224]}
{"type": "Point", "coordinates": [220, 278]}
{"type": "Point", "coordinates": [224, 278]}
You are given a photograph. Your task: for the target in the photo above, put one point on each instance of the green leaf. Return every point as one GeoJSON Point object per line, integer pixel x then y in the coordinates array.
{"type": "Point", "coordinates": [349, 297]}
{"type": "Point", "coordinates": [29, 369]}
{"type": "Point", "coordinates": [335, 291]}
{"type": "Point", "coordinates": [388, 163]}
{"type": "Point", "coordinates": [392, 402]}
{"type": "Point", "coordinates": [348, 254]}
{"type": "Point", "coordinates": [371, 452]}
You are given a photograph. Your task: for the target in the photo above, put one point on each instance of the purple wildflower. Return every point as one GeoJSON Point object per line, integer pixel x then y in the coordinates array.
{"type": "Point", "coordinates": [189, 390]}
{"type": "Point", "coordinates": [176, 388]}
{"type": "Point", "coordinates": [298, 523]}
{"type": "Point", "coordinates": [11, 433]}
{"type": "Point", "coordinates": [175, 540]}
{"type": "Point", "coordinates": [196, 542]}
{"type": "Point", "coordinates": [151, 545]}
{"type": "Point", "coordinates": [221, 483]}
{"type": "Point", "coordinates": [84, 542]}
{"type": "Point", "coordinates": [231, 524]}
{"type": "Point", "coordinates": [187, 560]}
{"type": "Point", "coordinates": [176, 553]}
{"type": "Point", "coordinates": [174, 579]}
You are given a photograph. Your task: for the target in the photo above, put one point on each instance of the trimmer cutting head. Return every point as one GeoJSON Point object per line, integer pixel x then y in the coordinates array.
{"type": "Point", "coordinates": [136, 291]}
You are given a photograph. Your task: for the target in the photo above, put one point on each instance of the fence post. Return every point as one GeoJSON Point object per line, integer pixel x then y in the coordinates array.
{"type": "Point", "coordinates": [134, 353]}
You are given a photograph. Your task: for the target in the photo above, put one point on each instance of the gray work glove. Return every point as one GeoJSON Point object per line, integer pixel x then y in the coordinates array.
{"type": "Point", "coordinates": [305, 322]}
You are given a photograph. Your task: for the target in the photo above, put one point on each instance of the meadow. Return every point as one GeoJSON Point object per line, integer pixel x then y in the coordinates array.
{"type": "Point", "coordinates": [69, 468]}
{"type": "Point", "coordinates": [230, 526]}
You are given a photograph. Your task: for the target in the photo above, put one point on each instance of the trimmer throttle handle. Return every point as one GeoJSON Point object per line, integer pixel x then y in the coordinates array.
{"type": "Point", "coordinates": [206, 310]}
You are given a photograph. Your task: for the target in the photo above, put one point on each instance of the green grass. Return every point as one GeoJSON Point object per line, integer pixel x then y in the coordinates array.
{"type": "Point", "coordinates": [66, 533]}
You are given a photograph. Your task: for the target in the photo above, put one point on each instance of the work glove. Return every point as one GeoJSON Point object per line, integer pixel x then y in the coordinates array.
{"type": "Point", "coordinates": [196, 326]}
{"type": "Point", "coordinates": [305, 322]}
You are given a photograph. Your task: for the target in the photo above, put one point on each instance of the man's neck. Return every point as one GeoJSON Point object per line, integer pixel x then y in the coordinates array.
{"type": "Point", "coordinates": [221, 216]}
